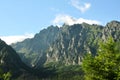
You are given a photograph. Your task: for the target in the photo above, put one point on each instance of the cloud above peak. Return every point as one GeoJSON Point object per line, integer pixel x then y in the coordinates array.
{"type": "Point", "coordinates": [69, 20]}
{"type": "Point", "coordinates": [17, 38]}
{"type": "Point", "coordinates": [80, 6]}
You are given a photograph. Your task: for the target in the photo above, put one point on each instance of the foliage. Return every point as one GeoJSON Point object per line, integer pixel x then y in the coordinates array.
{"type": "Point", "coordinates": [104, 66]}
{"type": "Point", "coordinates": [72, 72]}
{"type": "Point", "coordinates": [5, 76]}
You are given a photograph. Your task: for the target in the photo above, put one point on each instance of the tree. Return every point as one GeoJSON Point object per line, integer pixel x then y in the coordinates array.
{"type": "Point", "coordinates": [5, 76]}
{"type": "Point", "coordinates": [105, 65]}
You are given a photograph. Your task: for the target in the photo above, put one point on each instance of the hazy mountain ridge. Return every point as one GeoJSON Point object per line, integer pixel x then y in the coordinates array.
{"type": "Point", "coordinates": [65, 45]}
{"type": "Point", "coordinates": [32, 49]}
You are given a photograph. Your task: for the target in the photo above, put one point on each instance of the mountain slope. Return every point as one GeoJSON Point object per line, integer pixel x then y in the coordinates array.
{"type": "Point", "coordinates": [31, 50]}
{"type": "Point", "coordinates": [66, 45]}
{"type": "Point", "coordinates": [11, 62]}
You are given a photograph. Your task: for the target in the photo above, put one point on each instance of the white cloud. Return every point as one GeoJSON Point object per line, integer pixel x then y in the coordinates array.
{"type": "Point", "coordinates": [61, 18]}
{"type": "Point", "coordinates": [13, 39]}
{"type": "Point", "coordinates": [80, 6]}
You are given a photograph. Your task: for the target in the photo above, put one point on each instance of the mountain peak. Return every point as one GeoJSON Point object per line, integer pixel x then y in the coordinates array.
{"type": "Point", "coordinates": [113, 23]}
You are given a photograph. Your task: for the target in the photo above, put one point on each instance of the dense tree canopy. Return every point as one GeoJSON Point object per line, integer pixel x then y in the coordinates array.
{"type": "Point", "coordinates": [104, 66]}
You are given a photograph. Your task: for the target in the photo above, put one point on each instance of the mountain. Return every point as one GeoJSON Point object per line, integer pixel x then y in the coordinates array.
{"type": "Point", "coordinates": [11, 62]}
{"type": "Point", "coordinates": [74, 42]}
{"type": "Point", "coordinates": [65, 45]}
{"type": "Point", "coordinates": [77, 40]}
{"type": "Point", "coordinates": [31, 50]}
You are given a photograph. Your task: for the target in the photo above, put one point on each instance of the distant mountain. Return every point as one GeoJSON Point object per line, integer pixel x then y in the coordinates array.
{"type": "Point", "coordinates": [31, 50]}
{"type": "Point", "coordinates": [11, 62]}
{"type": "Point", "coordinates": [65, 45]}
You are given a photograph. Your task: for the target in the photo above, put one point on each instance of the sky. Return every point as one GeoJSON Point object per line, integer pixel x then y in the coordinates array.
{"type": "Point", "coordinates": [21, 19]}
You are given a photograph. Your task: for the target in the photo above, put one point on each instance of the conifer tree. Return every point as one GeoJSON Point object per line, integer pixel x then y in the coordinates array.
{"type": "Point", "coordinates": [105, 65]}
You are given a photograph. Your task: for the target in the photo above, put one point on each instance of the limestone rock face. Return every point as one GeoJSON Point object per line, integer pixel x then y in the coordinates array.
{"type": "Point", "coordinates": [65, 45]}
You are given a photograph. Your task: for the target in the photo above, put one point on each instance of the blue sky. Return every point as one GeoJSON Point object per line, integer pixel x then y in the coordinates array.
{"type": "Point", "coordinates": [24, 17]}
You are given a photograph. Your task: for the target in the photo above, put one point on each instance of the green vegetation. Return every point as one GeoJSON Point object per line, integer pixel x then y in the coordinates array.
{"type": "Point", "coordinates": [71, 72]}
{"type": "Point", "coordinates": [5, 76]}
{"type": "Point", "coordinates": [104, 66]}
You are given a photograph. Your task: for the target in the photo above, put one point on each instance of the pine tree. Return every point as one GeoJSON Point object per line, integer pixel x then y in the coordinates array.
{"type": "Point", "coordinates": [104, 66]}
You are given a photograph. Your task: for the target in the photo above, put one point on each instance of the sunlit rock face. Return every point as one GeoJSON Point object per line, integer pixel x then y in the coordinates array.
{"type": "Point", "coordinates": [65, 45]}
